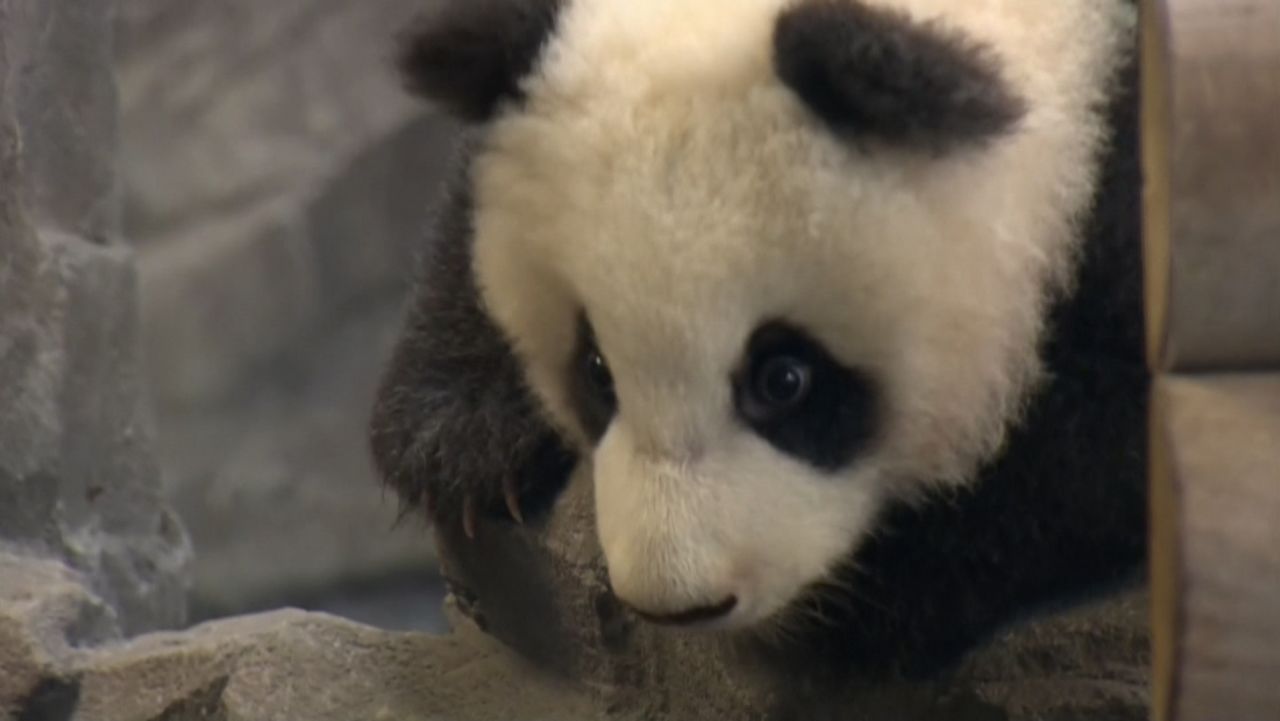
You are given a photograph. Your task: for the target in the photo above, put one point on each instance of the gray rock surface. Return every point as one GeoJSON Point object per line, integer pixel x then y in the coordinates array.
{"type": "Point", "coordinates": [46, 613]}
{"type": "Point", "coordinates": [1088, 663]}
{"type": "Point", "coordinates": [78, 480]}
{"type": "Point", "coordinates": [282, 665]}
{"type": "Point", "coordinates": [272, 171]}
{"type": "Point", "coordinates": [58, 83]}
{"type": "Point", "coordinates": [276, 179]}
{"type": "Point", "coordinates": [275, 484]}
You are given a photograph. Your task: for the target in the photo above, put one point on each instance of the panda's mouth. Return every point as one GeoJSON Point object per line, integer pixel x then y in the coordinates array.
{"type": "Point", "coordinates": [689, 617]}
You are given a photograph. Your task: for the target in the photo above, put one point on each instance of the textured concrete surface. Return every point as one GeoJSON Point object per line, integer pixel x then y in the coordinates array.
{"type": "Point", "coordinates": [275, 180]}
{"type": "Point", "coordinates": [46, 612]}
{"type": "Point", "coordinates": [294, 665]}
{"type": "Point", "coordinates": [57, 76]}
{"type": "Point", "coordinates": [78, 480]}
{"type": "Point", "coordinates": [281, 665]}
{"type": "Point", "coordinates": [274, 483]}
{"type": "Point", "coordinates": [272, 170]}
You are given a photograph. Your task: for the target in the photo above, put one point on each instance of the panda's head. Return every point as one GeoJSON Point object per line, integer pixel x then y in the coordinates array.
{"type": "Point", "coordinates": [771, 264]}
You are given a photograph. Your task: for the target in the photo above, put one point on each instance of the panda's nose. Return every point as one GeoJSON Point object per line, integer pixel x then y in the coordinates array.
{"type": "Point", "coordinates": [687, 617]}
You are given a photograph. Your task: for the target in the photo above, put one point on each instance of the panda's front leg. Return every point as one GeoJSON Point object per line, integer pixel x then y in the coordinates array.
{"type": "Point", "coordinates": [455, 430]}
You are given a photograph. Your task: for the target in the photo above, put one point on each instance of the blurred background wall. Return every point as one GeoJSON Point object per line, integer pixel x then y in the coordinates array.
{"type": "Point", "coordinates": [275, 182]}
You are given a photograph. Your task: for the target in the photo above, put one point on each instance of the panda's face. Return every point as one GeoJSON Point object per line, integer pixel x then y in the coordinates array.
{"type": "Point", "coordinates": [670, 272]}
{"type": "Point", "coordinates": [736, 479]}
{"type": "Point", "coordinates": [760, 330]}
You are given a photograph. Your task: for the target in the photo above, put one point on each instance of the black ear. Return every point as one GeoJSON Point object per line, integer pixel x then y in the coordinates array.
{"type": "Point", "coordinates": [874, 72]}
{"type": "Point", "coordinates": [470, 55]}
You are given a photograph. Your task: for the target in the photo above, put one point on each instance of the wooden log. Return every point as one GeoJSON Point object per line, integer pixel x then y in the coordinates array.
{"type": "Point", "coordinates": [1211, 137]}
{"type": "Point", "coordinates": [1211, 133]}
{"type": "Point", "coordinates": [1216, 574]}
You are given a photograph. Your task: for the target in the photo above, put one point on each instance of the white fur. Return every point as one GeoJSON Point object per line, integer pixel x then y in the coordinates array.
{"type": "Point", "coordinates": [663, 179]}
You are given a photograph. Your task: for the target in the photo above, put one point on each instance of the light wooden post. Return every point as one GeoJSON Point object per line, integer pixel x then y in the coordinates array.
{"type": "Point", "coordinates": [1211, 135]}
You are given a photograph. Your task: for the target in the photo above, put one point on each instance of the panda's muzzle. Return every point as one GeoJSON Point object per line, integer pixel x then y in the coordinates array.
{"type": "Point", "coordinates": [690, 616]}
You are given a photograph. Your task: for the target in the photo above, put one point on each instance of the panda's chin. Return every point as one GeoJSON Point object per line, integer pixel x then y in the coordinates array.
{"type": "Point", "coordinates": [742, 609]}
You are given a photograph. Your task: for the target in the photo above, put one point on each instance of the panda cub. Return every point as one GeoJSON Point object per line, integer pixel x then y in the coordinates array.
{"type": "Point", "coordinates": [839, 298]}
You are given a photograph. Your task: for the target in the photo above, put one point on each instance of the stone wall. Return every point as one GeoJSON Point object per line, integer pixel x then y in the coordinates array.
{"type": "Point", "coordinates": [275, 179]}
{"type": "Point", "coordinates": [78, 478]}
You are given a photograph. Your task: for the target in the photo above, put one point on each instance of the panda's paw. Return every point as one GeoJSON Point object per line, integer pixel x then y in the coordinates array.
{"type": "Point", "coordinates": [514, 488]}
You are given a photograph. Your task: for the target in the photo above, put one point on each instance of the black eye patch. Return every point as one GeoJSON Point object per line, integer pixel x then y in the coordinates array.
{"type": "Point", "coordinates": [800, 399]}
{"type": "Point", "coordinates": [591, 384]}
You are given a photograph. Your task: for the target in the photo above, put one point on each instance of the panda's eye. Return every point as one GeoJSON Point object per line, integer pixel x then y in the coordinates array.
{"type": "Point", "coordinates": [590, 382]}
{"type": "Point", "coordinates": [781, 382]}
{"type": "Point", "coordinates": [597, 372]}
{"type": "Point", "coordinates": [792, 392]}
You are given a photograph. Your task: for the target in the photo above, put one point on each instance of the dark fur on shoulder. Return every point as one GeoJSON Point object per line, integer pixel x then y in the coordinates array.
{"type": "Point", "coordinates": [470, 55]}
{"type": "Point", "coordinates": [876, 73]}
{"type": "Point", "coordinates": [453, 416]}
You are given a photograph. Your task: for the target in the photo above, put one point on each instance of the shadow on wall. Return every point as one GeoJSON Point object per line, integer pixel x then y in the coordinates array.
{"type": "Point", "coordinates": [275, 181]}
